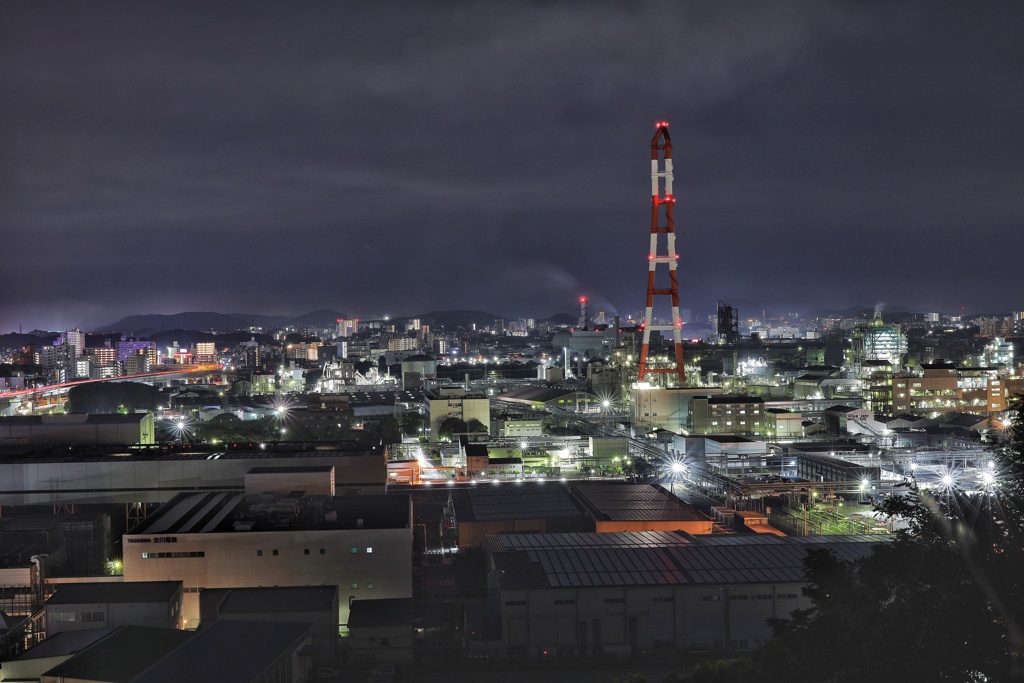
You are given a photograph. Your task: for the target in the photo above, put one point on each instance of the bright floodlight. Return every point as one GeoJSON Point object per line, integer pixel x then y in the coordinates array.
{"type": "Point", "coordinates": [988, 478]}
{"type": "Point", "coordinates": [947, 480]}
{"type": "Point", "coordinates": [523, 445]}
{"type": "Point", "coordinates": [677, 467]}
{"type": "Point", "coordinates": [606, 403]}
{"type": "Point", "coordinates": [863, 484]}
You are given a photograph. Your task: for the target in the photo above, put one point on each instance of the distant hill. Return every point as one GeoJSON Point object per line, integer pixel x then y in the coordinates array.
{"type": "Point", "coordinates": [452, 319]}
{"type": "Point", "coordinates": [176, 325]}
{"type": "Point", "coordinates": [861, 311]}
{"type": "Point", "coordinates": [145, 325]}
{"type": "Point", "coordinates": [563, 319]}
{"type": "Point", "coordinates": [324, 317]}
{"type": "Point", "coordinates": [148, 325]}
{"type": "Point", "coordinates": [14, 340]}
{"type": "Point", "coordinates": [186, 338]}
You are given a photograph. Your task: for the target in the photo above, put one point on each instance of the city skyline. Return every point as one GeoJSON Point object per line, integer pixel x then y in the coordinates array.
{"type": "Point", "coordinates": [257, 158]}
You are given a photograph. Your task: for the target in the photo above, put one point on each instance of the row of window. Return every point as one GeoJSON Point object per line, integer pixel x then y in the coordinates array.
{"type": "Point", "coordinates": [160, 556]}
{"type": "Point", "coordinates": [306, 551]}
{"type": "Point", "coordinates": [619, 601]}
{"type": "Point", "coordinates": [759, 596]}
{"type": "Point", "coordinates": [607, 601]}
{"type": "Point", "coordinates": [68, 617]}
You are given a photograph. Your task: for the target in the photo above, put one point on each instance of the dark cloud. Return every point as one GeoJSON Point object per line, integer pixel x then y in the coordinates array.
{"type": "Point", "coordinates": [410, 156]}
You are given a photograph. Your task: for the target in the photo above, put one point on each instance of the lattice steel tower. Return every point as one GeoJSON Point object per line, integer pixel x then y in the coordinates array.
{"type": "Point", "coordinates": [662, 223]}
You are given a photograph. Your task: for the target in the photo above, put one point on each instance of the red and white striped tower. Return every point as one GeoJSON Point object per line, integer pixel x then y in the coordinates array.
{"type": "Point", "coordinates": [662, 223]}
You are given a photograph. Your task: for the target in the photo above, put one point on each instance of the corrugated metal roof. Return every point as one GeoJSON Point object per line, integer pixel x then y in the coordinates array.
{"type": "Point", "coordinates": [122, 655]}
{"type": "Point", "coordinates": [226, 651]}
{"type": "Point", "coordinates": [636, 502]}
{"type": "Point", "coordinates": [659, 558]}
{"type": "Point", "coordinates": [116, 592]}
{"type": "Point", "coordinates": [65, 643]}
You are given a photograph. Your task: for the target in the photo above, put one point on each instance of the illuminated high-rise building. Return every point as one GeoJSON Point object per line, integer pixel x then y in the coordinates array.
{"type": "Point", "coordinates": [347, 327]}
{"type": "Point", "coordinates": [74, 338]}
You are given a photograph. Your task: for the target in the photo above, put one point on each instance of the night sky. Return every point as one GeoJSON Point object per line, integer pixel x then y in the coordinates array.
{"type": "Point", "coordinates": [399, 158]}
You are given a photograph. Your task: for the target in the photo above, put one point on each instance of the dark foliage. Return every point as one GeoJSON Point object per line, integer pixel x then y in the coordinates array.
{"type": "Point", "coordinates": [412, 423]}
{"type": "Point", "coordinates": [941, 603]}
{"type": "Point", "coordinates": [387, 430]}
{"type": "Point", "coordinates": [450, 426]}
{"type": "Point", "coordinates": [112, 397]}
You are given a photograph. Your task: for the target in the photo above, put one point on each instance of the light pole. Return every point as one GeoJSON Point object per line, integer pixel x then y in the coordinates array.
{"type": "Point", "coordinates": [677, 469]}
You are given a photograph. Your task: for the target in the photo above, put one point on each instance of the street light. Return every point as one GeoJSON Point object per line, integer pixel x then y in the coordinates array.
{"type": "Point", "coordinates": [181, 429]}
{"type": "Point", "coordinates": [677, 468]}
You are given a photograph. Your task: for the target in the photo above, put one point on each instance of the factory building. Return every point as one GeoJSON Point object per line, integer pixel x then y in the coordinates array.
{"type": "Point", "coordinates": [458, 403]}
{"type": "Point", "coordinates": [631, 507]}
{"type": "Point", "coordinates": [78, 606]}
{"type": "Point", "coordinates": [659, 408]}
{"type": "Point", "coordinates": [474, 513]}
{"type": "Point", "coordinates": [77, 428]}
{"type": "Point", "coordinates": [231, 539]}
{"type": "Point", "coordinates": [644, 593]}
{"type": "Point", "coordinates": [727, 414]}
{"type": "Point", "coordinates": [33, 477]}
{"type": "Point", "coordinates": [314, 605]}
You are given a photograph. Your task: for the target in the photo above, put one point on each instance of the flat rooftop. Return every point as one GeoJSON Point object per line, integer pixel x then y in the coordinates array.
{"type": "Point", "coordinates": [11, 455]}
{"type": "Point", "coordinates": [618, 501]}
{"type": "Point", "coordinates": [226, 511]}
{"type": "Point", "coordinates": [509, 501]}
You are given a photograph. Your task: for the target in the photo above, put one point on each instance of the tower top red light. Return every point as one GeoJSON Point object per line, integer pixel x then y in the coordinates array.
{"type": "Point", "coordinates": [661, 124]}
{"type": "Point", "coordinates": [583, 299]}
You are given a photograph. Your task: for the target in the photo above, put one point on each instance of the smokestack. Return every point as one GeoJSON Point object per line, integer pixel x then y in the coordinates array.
{"type": "Point", "coordinates": [617, 328]}
{"type": "Point", "coordinates": [584, 321]}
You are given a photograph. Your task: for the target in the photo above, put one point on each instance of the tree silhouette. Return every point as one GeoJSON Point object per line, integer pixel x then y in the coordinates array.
{"type": "Point", "coordinates": [943, 602]}
{"type": "Point", "coordinates": [412, 423]}
{"type": "Point", "coordinates": [450, 426]}
{"type": "Point", "coordinates": [112, 397]}
{"type": "Point", "coordinates": [388, 430]}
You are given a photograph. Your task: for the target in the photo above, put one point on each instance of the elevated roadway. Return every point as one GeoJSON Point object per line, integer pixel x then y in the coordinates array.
{"type": "Point", "coordinates": [52, 397]}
